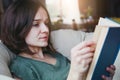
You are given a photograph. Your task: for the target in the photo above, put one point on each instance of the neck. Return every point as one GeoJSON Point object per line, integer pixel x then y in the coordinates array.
{"type": "Point", "coordinates": [38, 53]}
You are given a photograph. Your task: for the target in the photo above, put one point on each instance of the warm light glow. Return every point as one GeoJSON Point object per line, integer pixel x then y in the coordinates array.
{"type": "Point", "coordinates": [71, 10]}
{"type": "Point", "coordinates": [68, 9]}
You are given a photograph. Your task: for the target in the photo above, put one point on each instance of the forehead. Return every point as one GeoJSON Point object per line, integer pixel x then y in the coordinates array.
{"type": "Point", "coordinates": [41, 14]}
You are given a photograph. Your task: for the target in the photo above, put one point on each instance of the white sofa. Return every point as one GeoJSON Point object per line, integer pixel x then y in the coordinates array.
{"type": "Point", "coordinates": [62, 40]}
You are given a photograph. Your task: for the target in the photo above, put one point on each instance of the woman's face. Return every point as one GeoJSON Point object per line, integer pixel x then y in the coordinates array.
{"type": "Point", "coordinates": [39, 33]}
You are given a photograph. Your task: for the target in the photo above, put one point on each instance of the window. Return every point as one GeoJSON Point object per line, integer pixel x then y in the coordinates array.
{"type": "Point", "coordinates": [63, 9]}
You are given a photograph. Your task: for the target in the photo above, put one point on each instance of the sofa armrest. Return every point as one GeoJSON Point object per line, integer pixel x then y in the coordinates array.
{"type": "Point", "coordinates": [5, 57]}
{"type": "Point", "coordinates": [3, 77]}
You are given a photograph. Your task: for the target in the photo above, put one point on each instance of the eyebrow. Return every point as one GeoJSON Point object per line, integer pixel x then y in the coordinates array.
{"type": "Point", "coordinates": [40, 19]}
{"type": "Point", "coordinates": [37, 19]}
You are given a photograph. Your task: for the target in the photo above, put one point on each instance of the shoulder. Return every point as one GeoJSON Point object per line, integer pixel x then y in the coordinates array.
{"type": "Point", "coordinates": [22, 69]}
{"type": "Point", "coordinates": [20, 62]}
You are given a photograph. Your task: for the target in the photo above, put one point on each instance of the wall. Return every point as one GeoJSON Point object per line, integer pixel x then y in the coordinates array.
{"type": "Point", "coordinates": [84, 4]}
{"type": "Point", "coordinates": [101, 8]}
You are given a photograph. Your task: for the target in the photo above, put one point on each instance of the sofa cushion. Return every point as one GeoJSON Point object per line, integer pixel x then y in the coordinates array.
{"type": "Point", "coordinates": [65, 39]}
{"type": "Point", "coordinates": [3, 77]}
{"type": "Point", "coordinates": [5, 56]}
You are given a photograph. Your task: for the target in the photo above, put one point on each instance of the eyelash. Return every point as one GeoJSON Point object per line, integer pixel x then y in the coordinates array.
{"type": "Point", "coordinates": [36, 25]}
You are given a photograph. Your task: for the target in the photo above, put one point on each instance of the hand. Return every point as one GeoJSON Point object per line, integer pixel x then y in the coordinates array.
{"type": "Point", "coordinates": [111, 69]}
{"type": "Point", "coordinates": [81, 56]}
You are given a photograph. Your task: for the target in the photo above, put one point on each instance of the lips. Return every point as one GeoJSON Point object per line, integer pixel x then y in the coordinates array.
{"type": "Point", "coordinates": [44, 38]}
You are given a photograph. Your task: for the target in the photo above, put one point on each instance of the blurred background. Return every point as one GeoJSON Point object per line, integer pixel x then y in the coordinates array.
{"type": "Point", "coordinates": [81, 13]}
{"type": "Point", "coordinates": [77, 14]}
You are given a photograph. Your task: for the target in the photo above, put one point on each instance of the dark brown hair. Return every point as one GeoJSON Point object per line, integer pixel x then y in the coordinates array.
{"type": "Point", "coordinates": [17, 23]}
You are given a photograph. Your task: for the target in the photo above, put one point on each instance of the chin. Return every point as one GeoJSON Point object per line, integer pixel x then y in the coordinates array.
{"type": "Point", "coordinates": [44, 45]}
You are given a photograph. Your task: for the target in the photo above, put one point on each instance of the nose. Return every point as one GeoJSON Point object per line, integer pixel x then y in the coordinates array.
{"type": "Point", "coordinates": [44, 27]}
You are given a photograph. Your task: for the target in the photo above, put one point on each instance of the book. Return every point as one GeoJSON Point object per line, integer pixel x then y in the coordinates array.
{"type": "Point", "coordinates": [108, 21]}
{"type": "Point", "coordinates": [104, 22]}
{"type": "Point", "coordinates": [107, 48]}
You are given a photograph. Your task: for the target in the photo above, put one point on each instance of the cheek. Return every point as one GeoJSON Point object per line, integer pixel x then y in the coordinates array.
{"type": "Point", "coordinates": [30, 37]}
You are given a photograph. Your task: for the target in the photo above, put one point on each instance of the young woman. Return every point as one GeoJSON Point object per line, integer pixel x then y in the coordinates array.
{"type": "Point", "coordinates": [25, 31]}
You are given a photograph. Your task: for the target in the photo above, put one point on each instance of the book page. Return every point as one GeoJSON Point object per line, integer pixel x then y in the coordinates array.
{"type": "Point", "coordinates": [100, 43]}
{"type": "Point", "coordinates": [117, 65]}
{"type": "Point", "coordinates": [107, 22]}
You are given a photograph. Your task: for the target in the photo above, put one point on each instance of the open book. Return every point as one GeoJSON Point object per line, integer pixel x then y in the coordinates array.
{"type": "Point", "coordinates": [107, 36]}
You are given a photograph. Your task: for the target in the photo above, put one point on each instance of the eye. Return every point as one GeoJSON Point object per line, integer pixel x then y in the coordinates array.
{"type": "Point", "coordinates": [36, 25]}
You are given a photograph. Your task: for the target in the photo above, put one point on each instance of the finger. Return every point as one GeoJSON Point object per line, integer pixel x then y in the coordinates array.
{"type": "Point", "coordinates": [113, 67]}
{"type": "Point", "coordinates": [84, 44]}
{"type": "Point", "coordinates": [86, 56]}
{"type": "Point", "coordinates": [86, 61]}
{"type": "Point", "coordinates": [84, 51]}
{"type": "Point", "coordinates": [111, 71]}
{"type": "Point", "coordinates": [103, 77]}
{"type": "Point", "coordinates": [106, 78]}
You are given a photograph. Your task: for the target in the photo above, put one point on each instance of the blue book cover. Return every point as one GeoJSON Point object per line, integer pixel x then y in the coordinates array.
{"type": "Point", "coordinates": [108, 53]}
